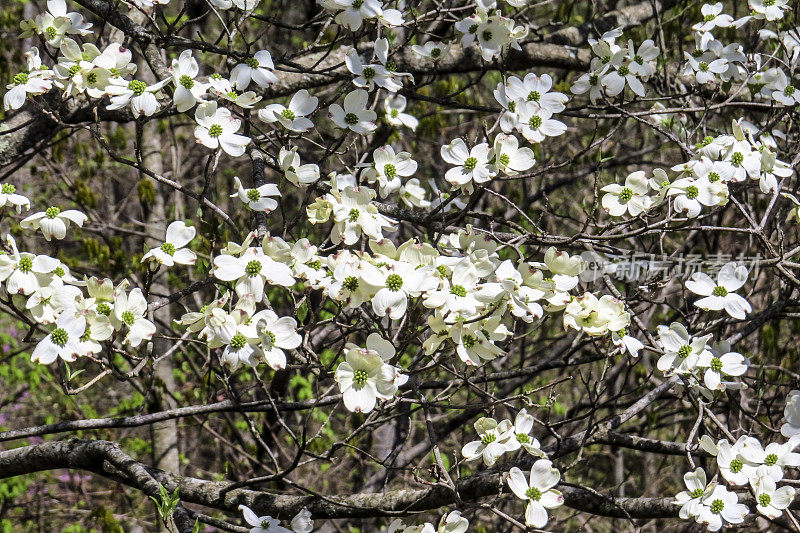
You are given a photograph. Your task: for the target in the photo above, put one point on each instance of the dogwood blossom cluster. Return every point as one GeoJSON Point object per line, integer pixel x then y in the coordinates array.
{"type": "Point", "coordinates": [79, 315]}
{"type": "Point", "coordinates": [471, 293]}
{"type": "Point", "coordinates": [616, 66]}
{"type": "Point", "coordinates": [703, 181]}
{"type": "Point", "coordinates": [744, 463]}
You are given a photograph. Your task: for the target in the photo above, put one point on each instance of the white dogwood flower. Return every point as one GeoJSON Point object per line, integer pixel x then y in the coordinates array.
{"type": "Point", "coordinates": [130, 310]}
{"type": "Point", "coordinates": [62, 341]}
{"type": "Point", "coordinates": [257, 68]}
{"type": "Point", "coordinates": [395, 105]}
{"type": "Point", "coordinates": [258, 198]}
{"type": "Point", "coordinates": [216, 128]}
{"type": "Point", "coordinates": [251, 270]}
{"type": "Point", "coordinates": [631, 198]}
{"type": "Point", "coordinates": [139, 95]}
{"type": "Point", "coordinates": [472, 165]}
{"type": "Point", "coordinates": [294, 117]}
{"type": "Point", "coordinates": [54, 222]}
{"type": "Point", "coordinates": [173, 250]}
{"type": "Point", "coordinates": [9, 196]}
{"type": "Point", "coordinates": [387, 169]}
{"type": "Point", "coordinates": [697, 488]}
{"type": "Point", "coordinates": [188, 91]}
{"type": "Point", "coordinates": [364, 376]}
{"type": "Point", "coordinates": [538, 492]}
{"type": "Point", "coordinates": [509, 158]}
{"type": "Point", "coordinates": [354, 115]}
{"type": "Point", "coordinates": [491, 443]}
{"type": "Point", "coordinates": [721, 295]}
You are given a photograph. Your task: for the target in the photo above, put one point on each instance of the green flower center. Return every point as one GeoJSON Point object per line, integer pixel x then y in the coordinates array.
{"type": "Point", "coordinates": [389, 170]}
{"type": "Point", "coordinates": [737, 158]}
{"type": "Point", "coordinates": [186, 81]}
{"type": "Point", "coordinates": [103, 309]}
{"type": "Point", "coordinates": [51, 32]}
{"type": "Point", "coordinates": [86, 335]}
{"type": "Point", "coordinates": [59, 337]}
{"type": "Point", "coordinates": [351, 119]}
{"type": "Point", "coordinates": [391, 66]}
{"type": "Point", "coordinates": [708, 140]}
{"type": "Point", "coordinates": [8, 189]}
{"type": "Point", "coordinates": [535, 122]}
{"type": "Point", "coordinates": [684, 352]}
{"type": "Point", "coordinates": [594, 79]}
{"type": "Point", "coordinates": [394, 282]}
{"type": "Point", "coordinates": [442, 270]}
{"type": "Point", "coordinates": [58, 272]}
{"type": "Point", "coordinates": [709, 18]}
{"type": "Point", "coordinates": [717, 506]}
{"type": "Point", "coordinates": [692, 192]}
{"type": "Point", "coordinates": [74, 69]}
{"type": "Point", "coordinates": [696, 493]}
{"type": "Point", "coordinates": [368, 73]}
{"type": "Point", "coordinates": [736, 466]}
{"type": "Point", "coordinates": [719, 290]}
{"type": "Point", "coordinates": [137, 87]}
{"type": "Point", "coordinates": [639, 59]}
{"type": "Point", "coordinates": [128, 318]}
{"type": "Point", "coordinates": [252, 268]}
{"type": "Point", "coordinates": [533, 494]}
{"type": "Point", "coordinates": [271, 336]}
{"type": "Point", "coordinates": [233, 95]}
{"type": "Point", "coordinates": [394, 113]}
{"type": "Point", "coordinates": [360, 378]}
{"type": "Point", "coordinates": [21, 78]}
{"type": "Point", "coordinates": [770, 459]}
{"type": "Point", "coordinates": [769, 3]}
{"type": "Point", "coordinates": [625, 195]}
{"type": "Point", "coordinates": [764, 499]}
{"type": "Point", "coordinates": [486, 438]}
{"type": "Point", "coordinates": [487, 35]}
{"type": "Point", "coordinates": [52, 212]}
{"type": "Point", "coordinates": [353, 215]}
{"type": "Point", "coordinates": [534, 96]}
{"type": "Point", "coordinates": [473, 28]}
{"type": "Point", "coordinates": [253, 195]}
{"type": "Point", "coordinates": [623, 70]}
{"type": "Point", "coordinates": [238, 341]}
{"type": "Point", "coordinates": [215, 130]}
{"type": "Point", "coordinates": [288, 114]}
{"type": "Point", "coordinates": [468, 341]}
{"type": "Point", "coordinates": [504, 159]}
{"type": "Point", "coordinates": [470, 164]}
{"type": "Point", "coordinates": [713, 177]}
{"type": "Point", "coordinates": [436, 52]}
{"type": "Point", "coordinates": [458, 290]}
{"type": "Point", "coordinates": [168, 248]}
{"type": "Point", "coordinates": [251, 62]}
{"type": "Point", "coordinates": [350, 283]}
{"type": "Point", "coordinates": [605, 59]}
{"type": "Point", "coordinates": [523, 438]}
{"type": "Point", "coordinates": [216, 76]}
{"type": "Point", "coordinates": [316, 264]}
{"type": "Point", "coordinates": [716, 364]}
{"type": "Point", "coordinates": [512, 106]}
{"type": "Point", "coordinates": [91, 77]}
{"type": "Point", "coordinates": [702, 66]}
{"type": "Point", "coordinates": [789, 90]}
